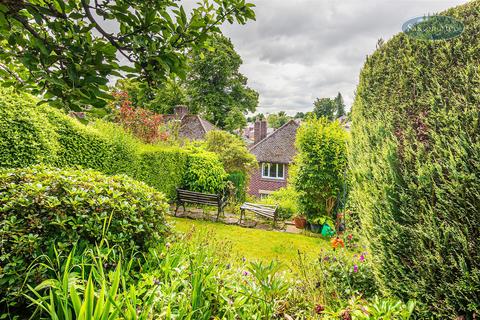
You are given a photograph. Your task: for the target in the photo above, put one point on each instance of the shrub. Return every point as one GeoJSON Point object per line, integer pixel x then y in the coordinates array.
{"type": "Point", "coordinates": [415, 170]}
{"type": "Point", "coordinates": [41, 207]}
{"type": "Point", "coordinates": [238, 180]}
{"type": "Point", "coordinates": [144, 124]}
{"type": "Point", "coordinates": [204, 173]}
{"type": "Point", "coordinates": [25, 138]}
{"type": "Point", "coordinates": [231, 151]}
{"type": "Point", "coordinates": [320, 165]}
{"type": "Point", "coordinates": [287, 201]}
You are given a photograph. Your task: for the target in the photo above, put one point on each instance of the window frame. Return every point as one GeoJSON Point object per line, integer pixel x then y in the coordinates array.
{"type": "Point", "coordinates": [269, 164]}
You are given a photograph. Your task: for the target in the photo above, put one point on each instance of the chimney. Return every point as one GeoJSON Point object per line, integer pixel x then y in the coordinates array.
{"type": "Point", "coordinates": [180, 111]}
{"type": "Point", "coordinates": [260, 130]}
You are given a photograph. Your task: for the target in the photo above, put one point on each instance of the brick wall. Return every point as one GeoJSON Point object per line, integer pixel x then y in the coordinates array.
{"type": "Point", "coordinates": [258, 183]}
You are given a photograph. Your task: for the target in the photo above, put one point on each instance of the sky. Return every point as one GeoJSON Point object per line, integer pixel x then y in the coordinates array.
{"type": "Point", "coordinates": [298, 50]}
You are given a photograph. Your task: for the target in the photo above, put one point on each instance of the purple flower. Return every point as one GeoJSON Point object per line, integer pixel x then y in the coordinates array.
{"type": "Point", "coordinates": [355, 268]}
{"type": "Point", "coordinates": [327, 258]}
{"type": "Point", "coordinates": [243, 259]}
{"type": "Point", "coordinates": [245, 273]}
{"type": "Point", "coordinates": [362, 258]}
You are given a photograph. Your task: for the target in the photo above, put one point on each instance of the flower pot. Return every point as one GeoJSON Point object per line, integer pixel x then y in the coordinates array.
{"type": "Point", "coordinates": [316, 228]}
{"type": "Point", "coordinates": [300, 222]}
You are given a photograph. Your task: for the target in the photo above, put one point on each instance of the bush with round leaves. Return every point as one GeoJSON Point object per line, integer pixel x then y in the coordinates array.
{"type": "Point", "coordinates": [42, 207]}
{"type": "Point", "coordinates": [415, 167]}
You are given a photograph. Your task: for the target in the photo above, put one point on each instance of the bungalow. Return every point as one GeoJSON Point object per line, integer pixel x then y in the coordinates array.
{"type": "Point", "coordinates": [275, 153]}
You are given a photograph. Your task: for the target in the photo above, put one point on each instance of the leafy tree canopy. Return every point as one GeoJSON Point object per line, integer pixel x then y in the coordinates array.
{"type": "Point", "coordinates": [216, 87]}
{"type": "Point", "coordinates": [71, 48]}
{"type": "Point", "coordinates": [324, 107]}
{"type": "Point", "coordinates": [277, 120]}
{"type": "Point", "coordinates": [161, 99]}
{"type": "Point", "coordinates": [329, 108]}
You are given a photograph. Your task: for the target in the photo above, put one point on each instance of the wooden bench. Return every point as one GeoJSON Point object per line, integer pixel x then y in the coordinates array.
{"type": "Point", "coordinates": [265, 210]}
{"type": "Point", "coordinates": [208, 199]}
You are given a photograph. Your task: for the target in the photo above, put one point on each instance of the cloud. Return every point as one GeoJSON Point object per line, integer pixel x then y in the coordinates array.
{"type": "Point", "coordinates": [298, 50]}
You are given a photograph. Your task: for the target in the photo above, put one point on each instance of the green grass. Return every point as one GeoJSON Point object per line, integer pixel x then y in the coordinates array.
{"type": "Point", "coordinates": [254, 244]}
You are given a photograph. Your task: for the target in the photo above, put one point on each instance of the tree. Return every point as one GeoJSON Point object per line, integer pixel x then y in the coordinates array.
{"type": "Point", "coordinates": [339, 106]}
{"type": "Point", "coordinates": [324, 107]}
{"type": "Point", "coordinates": [320, 165]}
{"type": "Point", "coordinates": [216, 87]}
{"type": "Point", "coordinates": [231, 150]}
{"type": "Point", "coordinates": [299, 115]}
{"type": "Point", "coordinates": [161, 99]}
{"type": "Point", "coordinates": [71, 48]}
{"type": "Point", "coordinates": [277, 120]}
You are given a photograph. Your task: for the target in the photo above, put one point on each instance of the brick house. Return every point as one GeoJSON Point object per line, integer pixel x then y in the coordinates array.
{"type": "Point", "coordinates": [191, 126]}
{"type": "Point", "coordinates": [274, 152]}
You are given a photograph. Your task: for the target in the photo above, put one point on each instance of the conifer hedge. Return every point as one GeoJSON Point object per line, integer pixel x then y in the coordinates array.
{"type": "Point", "coordinates": [415, 164]}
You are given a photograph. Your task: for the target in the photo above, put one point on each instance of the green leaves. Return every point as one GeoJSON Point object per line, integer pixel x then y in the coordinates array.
{"type": "Point", "coordinates": [61, 207]}
{"type": "Point", "coordinates": [150, 38]}
{"type": "Point", "coordinates": [414, 170]}
{"type": "Point", "coordinates": [320, 166]}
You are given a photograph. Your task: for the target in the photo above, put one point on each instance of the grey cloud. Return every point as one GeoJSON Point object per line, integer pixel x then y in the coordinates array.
{"type": "Point", "coordinates": [298, 50]}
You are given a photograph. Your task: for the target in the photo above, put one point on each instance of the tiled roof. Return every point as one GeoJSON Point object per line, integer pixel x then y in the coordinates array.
{"type": "Point", "coordinates": [278, 147]}
{"type": "Point", "coordinates": [194, 128]}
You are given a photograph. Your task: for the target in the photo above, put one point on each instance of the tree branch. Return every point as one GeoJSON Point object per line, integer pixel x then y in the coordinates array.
{"type": "Point", "coordinates": [12, 73]}
{"type": "Point", "coordinates": [105, 34]}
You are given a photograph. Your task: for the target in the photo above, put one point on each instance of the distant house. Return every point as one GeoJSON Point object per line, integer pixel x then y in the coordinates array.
{"type": "Point", "coordinates": [275, 153]}
{"type": "Point", "coordinates": [192, 126]}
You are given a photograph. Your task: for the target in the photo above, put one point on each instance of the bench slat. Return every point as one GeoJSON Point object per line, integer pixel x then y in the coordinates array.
{"type": "Point", "coordinates": [210, 203]}
{"type": "Point", "coordinates": [267, 211]}
{"type": "Point", "coordinates": [199, 198]}
{"type": "Point", "coordinates": [260, 205]}
{"type": "Point", "coordinates": [258, 209]}
{"type": "Point", "coordinates": [187, 192]}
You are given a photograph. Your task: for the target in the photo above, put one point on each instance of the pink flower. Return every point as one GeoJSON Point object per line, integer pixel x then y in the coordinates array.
{"type": "Point", "coordinates": [362, 258]}
{"type": "Point", "coordinates": [355, 268]}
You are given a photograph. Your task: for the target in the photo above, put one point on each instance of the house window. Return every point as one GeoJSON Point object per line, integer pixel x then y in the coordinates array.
{"type": "Point", "coordinates": [273, 170]}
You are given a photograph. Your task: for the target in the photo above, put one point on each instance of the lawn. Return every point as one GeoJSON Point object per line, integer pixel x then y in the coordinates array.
{"type": "Point", "coordinates": [254, 244]}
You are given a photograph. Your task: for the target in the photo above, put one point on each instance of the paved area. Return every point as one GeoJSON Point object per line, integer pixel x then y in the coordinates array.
{"type": "Point", "coordinates": [251, 221]}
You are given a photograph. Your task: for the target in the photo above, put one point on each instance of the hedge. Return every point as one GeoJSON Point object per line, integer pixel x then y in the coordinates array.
{"type": "Point", "coordinates": [41, 207]}
{"type": "Point", "coordinates": [415, 167]}
{"type": "Point", "coordinates": [25, 138]}
{"type": "Point", "coordinates": [31, 134]}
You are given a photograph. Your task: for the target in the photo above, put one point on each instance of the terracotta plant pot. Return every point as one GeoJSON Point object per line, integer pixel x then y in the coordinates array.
{"type": "Point", "coordinates": [300, 222]}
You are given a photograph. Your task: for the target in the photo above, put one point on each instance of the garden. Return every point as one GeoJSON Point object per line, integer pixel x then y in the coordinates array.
{"type": "Point", "coordinates": [89, 175]}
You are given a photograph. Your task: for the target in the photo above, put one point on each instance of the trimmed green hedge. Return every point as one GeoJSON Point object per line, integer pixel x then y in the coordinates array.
{"type": "Point", "coordinates": [41, 207]}
{"type": "Point", "coordinates": [162, 168]}
{"type": "Point", "coordinates": [31, 134]}
{"type": "Point", "coordinates": [25, 137]}
{"type": "Point", "coordinates": [416, 170]}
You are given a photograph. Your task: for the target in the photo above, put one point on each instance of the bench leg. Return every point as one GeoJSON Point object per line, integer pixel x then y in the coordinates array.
{"type": "Point", "coordinates": [241, 214]}
{"type": "Point", "coordinates": [176, 208]}
{"type": "Point", "coordinates": [183, 205]}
